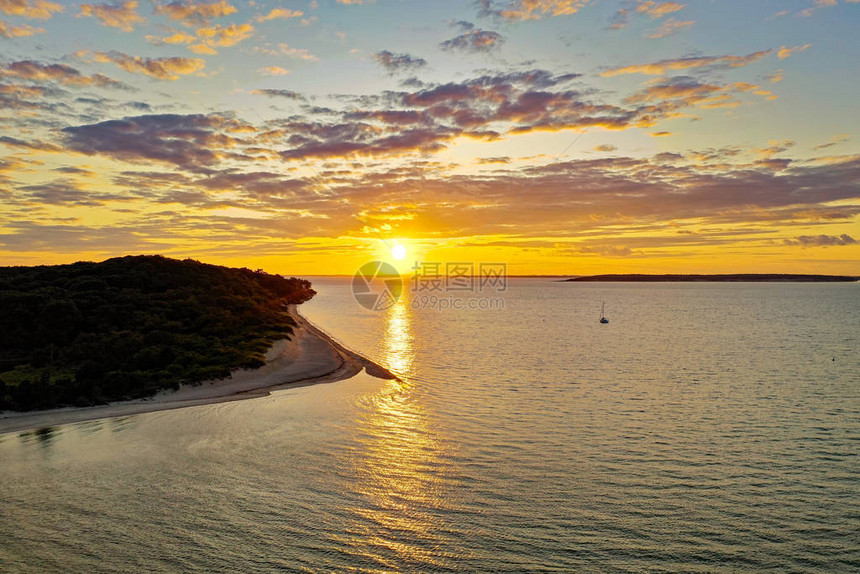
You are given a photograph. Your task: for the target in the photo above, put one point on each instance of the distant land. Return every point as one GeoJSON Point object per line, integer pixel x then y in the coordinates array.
{"type": "Point", "coordinates": [733, 277]}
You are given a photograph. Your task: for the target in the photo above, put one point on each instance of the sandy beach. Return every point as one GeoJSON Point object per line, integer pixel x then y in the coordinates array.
{"type": "Point", "coordinates": [309, 357]}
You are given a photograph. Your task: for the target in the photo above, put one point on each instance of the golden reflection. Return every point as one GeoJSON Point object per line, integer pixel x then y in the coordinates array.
{"type": "Point", "coordinates": [398, 464]}
{"type": "Point", "coordinates": [398, 345]}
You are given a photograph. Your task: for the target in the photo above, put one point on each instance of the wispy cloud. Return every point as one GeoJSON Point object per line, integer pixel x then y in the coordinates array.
{"type": "Point", "coordinates": [817, 5]}
{"type": "Point", "coordinates": [62, 73]}
{"type": "Point", "coordinates": [273, 71]}
{"type": "Point", "coordinates": [669, 27]}
{"type": "Point", "coordinates": [193, 13]}
{"type": "Point", "coordinates": [288, 94]}
{"type": "Point", "coordinates": [658, 9]}
{"type": "Point", "coordinates": [279, 14]}
{"type": "Point", "coordinates": [159, 68]}
{"type": "Point", "coordinates": [785, 51]}
{"type": "Point", "coordinates": [18, 31]}
{"type": "Point", "coordinates": [397, 63]}
{"type": "Point", "coordinates": [821, 240]}
{"type": "Point", "coordinates": [37, 9]}
{"type": "Point", "coordinates": [473, 40]}
{"type": "Point", "coordinates": [663, 66]}
{"type": "Point", "coordinates": [517, 10]}
{"type": "Point", "coordinates": [121, 15]}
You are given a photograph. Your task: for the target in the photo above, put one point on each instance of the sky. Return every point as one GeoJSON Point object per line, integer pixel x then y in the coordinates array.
{"type": "Point", "coordinates": [554, 136]}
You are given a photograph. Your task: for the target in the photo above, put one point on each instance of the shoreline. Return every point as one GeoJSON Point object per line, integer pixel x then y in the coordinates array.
{"type": "Point", "coordinates": [311, 357]}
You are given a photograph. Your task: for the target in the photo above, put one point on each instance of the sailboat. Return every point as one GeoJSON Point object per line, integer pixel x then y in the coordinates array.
{"type": "Point", "coordinates": [603, 319]}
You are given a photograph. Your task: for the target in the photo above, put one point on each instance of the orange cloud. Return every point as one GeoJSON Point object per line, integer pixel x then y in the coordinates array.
{"type": "Point", "coordinates": [36, 71]}
{"type": "Point", "coordinates": [18, 31]}
{"type": "Point", "coordinates": [277, 13]}
{"type": "Point", "coordinates": [225, 35]}
{"type": "Point", "coordinates": [663, 66]}
{"type": "Point", "coordinates": [784, 52]}
{"type": "Point", "coordinates": [177, 37]}
{"type": "Point", "coordinates": [535, 9]}
{"type": "Point", "coordinates": [38, 9]}
{"type": "Point", "coordinates": [670, 27]}
{"type": "Point", "coordinates": [816, 4]}
{"type": "Point", "coordinates": [207, 39]}
{"type": "Point", "coordinates": [160, 68]}
{"type": "Point", "coordinates": [274, 71]}
{"type": "Point", "coordinates": [123, 16]}
{"type": "Point", "coordinates": [194, 13]}
{"type": "Point", "coordinates": [659, 9]}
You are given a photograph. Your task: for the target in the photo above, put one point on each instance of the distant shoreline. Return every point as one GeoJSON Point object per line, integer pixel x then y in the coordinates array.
{"type": "Point", "coordinates": [727, 278]}
{"type": "Point", "coordinates": [310, 357]}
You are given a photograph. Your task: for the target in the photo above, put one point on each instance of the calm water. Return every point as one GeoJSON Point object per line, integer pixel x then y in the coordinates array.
{"type": "Point", "coordinates": [708, 427]}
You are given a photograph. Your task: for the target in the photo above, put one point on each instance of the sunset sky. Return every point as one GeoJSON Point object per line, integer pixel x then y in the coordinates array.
{"type": "Point", "coordinates": [557, 136]}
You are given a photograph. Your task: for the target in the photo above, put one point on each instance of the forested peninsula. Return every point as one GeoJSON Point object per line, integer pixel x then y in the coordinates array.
{"type": "Point", "coordinates": [87, 333]}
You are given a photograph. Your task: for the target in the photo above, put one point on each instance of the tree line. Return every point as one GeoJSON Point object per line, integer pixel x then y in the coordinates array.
{"type": "Point", "coordinates": [125, 328]}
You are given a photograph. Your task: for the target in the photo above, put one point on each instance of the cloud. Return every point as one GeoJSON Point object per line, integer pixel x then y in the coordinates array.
{"type": "Point", "coordinates": [428, 118]}
{"type": "Point", "coordinates": [273, 71]}
{"type": "Point", "coordinates": [191, 142]}
{"type": "Point", "coordinates": [517, 10]}
{"type": "Point", "coordinates": [784, 52]}
{"type": "Point", "coordinates": [661, 67]}
{"type": "Point", "coordinates": [35, 145]}
{"type": "Point", "coordinates": [280, 13]}
{"type": "Point", "coordinates": [222, 36]}
{"type": "Point", "coordinates": [289, 94]}
{"type": "Point", "coordinates": [834, 141]}
{"type": "Point", "coordinates": [620, 19]}
{"type": "Point", "coordinates": [286, 50]}
{"type": "Point", "coordinates": [473, 40]}
{"type": "Point", "coordinates": [775, 77]}
{"type": "Point", "coordinates": [658, 9]}
{"type": "Point", "coordinates": [121, 15]}
{"type": "Point", "coordinates": [818, 4]}
{"type": "Point", "coordinates": [71, 170]}
{"type": "Point", "coordinates": [67, 75]}
{"type": "Point", "coordinates": [606, 148]}
{"type": "Point", "coordinates": [669, 27]}
{"type": "Point", "coordinates": [296, 53]}
{"type": "Point", "coordinates": [176, 37]}
{"type": "Point", "coordinates": [64, 192]}
{"type": "Point", "coordinates": [159, 68]}
{"type": "Point", "coordinates": [396, 63]}
{"type": "Point", "coordinates": [821, 240]}
{"type": "Point", "coordinates": [37, 9]}
{"type": "Point", "coordinates": [665, 96]}
{"type": "Point", "coordinates": [18, 31]}
{"type": "Point", "coordinates": [193, 13]}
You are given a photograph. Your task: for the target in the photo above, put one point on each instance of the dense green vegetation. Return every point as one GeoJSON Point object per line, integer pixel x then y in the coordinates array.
{"type": "Point", "coordinates": [125, 328]}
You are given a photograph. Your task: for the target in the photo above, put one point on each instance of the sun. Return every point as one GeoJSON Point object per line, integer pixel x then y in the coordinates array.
{"type": "Point", "coordinates": [398, 252]}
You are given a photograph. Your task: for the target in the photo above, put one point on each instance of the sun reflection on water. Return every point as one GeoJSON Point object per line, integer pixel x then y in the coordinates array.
{"type": "Point", "coordinates": [398, 345]}
{"type": "Point", "coordinates": [398, 464]}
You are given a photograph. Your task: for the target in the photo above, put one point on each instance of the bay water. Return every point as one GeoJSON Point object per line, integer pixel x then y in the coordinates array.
{"type": "Point", "coordinates": [709, 427]}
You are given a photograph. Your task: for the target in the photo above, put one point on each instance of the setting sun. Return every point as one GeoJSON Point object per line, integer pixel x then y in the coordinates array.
{"type": "Point", "coordinates": [398, 252]}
